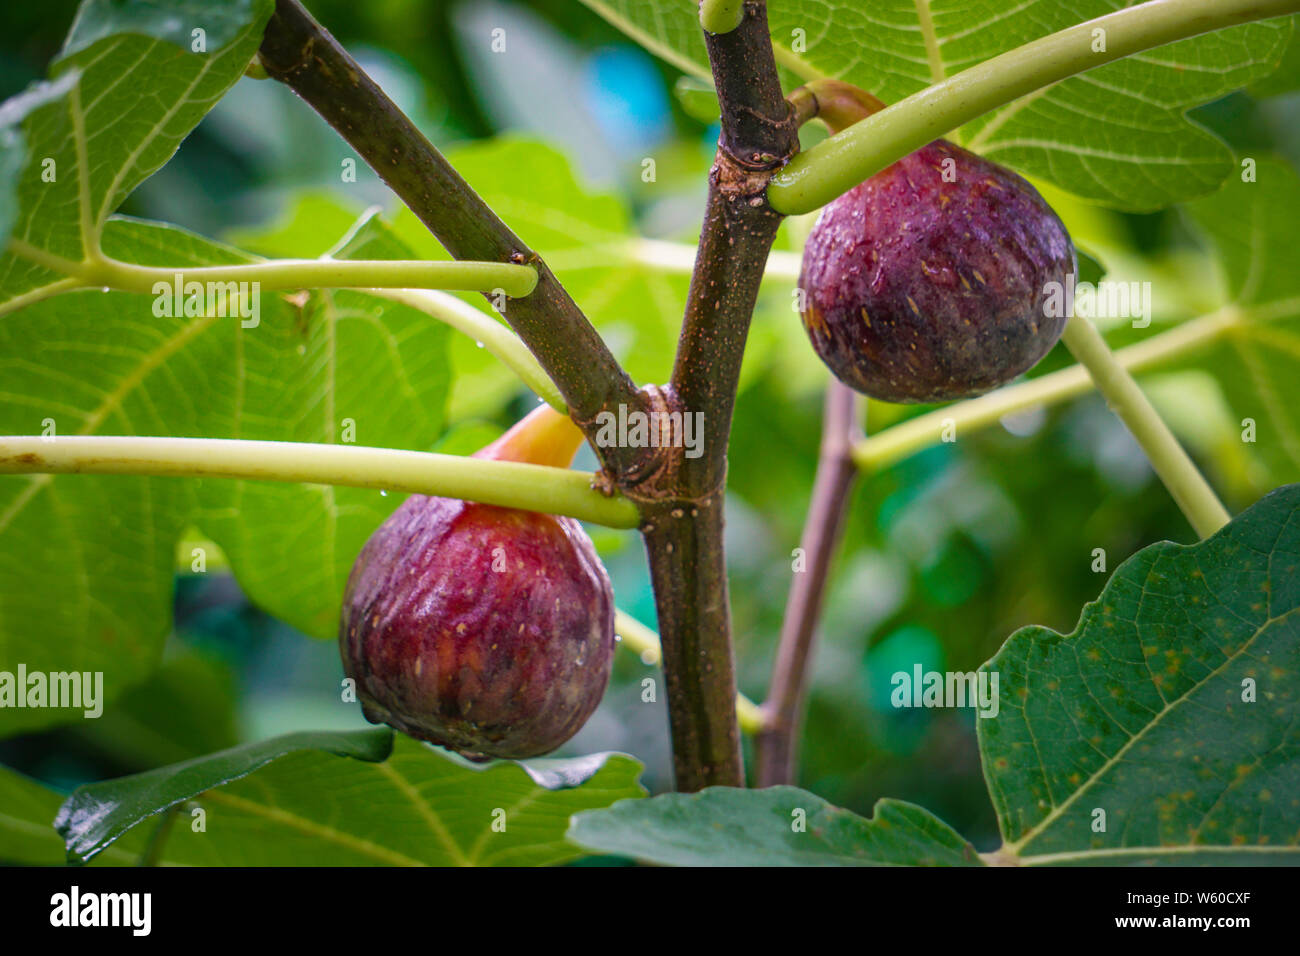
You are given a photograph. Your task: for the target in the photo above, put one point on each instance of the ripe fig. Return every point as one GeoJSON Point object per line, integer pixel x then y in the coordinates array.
{"type": "Point", "coordinates": [928, 281]}
{"type": "Point", "coordinates": [487, 630]}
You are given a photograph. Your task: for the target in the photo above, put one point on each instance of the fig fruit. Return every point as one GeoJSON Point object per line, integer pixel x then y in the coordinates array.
{"type": "Point", "coordinates": [928, 281]}
{"type": "Point", "coordinates": [487, 630]}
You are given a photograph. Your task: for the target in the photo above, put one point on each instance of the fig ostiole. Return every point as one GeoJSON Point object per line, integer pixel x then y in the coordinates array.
{"type": "Point", "coordinates": [487, 630]}
{"type": "Point", "coordinates": [929, 281]}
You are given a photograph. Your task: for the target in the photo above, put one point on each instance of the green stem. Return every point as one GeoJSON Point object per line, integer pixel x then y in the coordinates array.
{"type": "Point", "coordinates": [508, 484]}
{"type": "Point", "coordinates": [836, 165]}
{"type": "Point", "coordinates": [1171, 462]}
{"type": "Point", "coordinates": [514, 280]}
{"type": "Point", "coordinates": [677, 257]}
{"type": "Point", "coordinates": [899, 441]}
{"type": "Point", "coordinates": [721, 16]}
{"type": "Point", "coordinates": [496, 338]}
{"type": "Point", "coordinates": [644, 642]}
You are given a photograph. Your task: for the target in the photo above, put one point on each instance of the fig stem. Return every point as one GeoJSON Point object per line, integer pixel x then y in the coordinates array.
{"type": "Point", "coordinates": [837, 104]}
{"type": "Point", "coordinates": [1193, 494]}
{"type": "Point", "coordinates": [836, 165]}
{"type": "Point", "coordinates": [542, 437]}
{"type": "Point", "coordinates": [504, 483]}
{"type": "Point", "coordinates": [644, 642]}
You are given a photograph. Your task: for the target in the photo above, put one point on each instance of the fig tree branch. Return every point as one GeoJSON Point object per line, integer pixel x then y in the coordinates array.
{"type": "Point", "coordinates": [683, 503]}
{"type": "Point", "coordinates": [297, 51]}
{"type": "Point", "coordinates": [508, 484]}
{"type": "Point", "coordinates": [839, 163]}
{"type": "Point", "coordinates": [1193, 494]}
{"type": "Point", "coordinates": [777, 743]}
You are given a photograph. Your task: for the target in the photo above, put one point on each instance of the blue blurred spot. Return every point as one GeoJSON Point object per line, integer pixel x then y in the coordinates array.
{"type": "Point", "coordinates": [900, 651]}
{"type": "Point", "coordinates": [625, 93]}
{"type": "Point", "coordinates": [902, 730]}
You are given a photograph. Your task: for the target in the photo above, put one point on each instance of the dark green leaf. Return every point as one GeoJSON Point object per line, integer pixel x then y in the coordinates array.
{"type": "Point", "coordinates": [420, 806]}
{"type": "Point", "coordinates": [1169, 715]}
{"type": "Point", "coordinates": [98, 813]}
{"type": "Point", "coordinates": [1117, 134]}
{"type": "Point", "coordinates": [778, 826]}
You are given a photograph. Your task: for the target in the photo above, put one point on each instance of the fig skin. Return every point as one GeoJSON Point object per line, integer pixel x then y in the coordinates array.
{"type": "Point", "coordinates": [487, 630]}
{"type": "Point", "coordinates": [922, 290]}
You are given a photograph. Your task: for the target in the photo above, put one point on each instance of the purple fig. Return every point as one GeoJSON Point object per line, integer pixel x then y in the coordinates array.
{"type": "Point", "coordinates": [928, 281]}
{"type": "Point", "coordinates": [487, 630]}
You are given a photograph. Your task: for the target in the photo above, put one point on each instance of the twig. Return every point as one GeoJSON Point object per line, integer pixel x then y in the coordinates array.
{"type": "Point", "coordinates": [1195, 497]}
{"type": "Point", "coordinates": [299, 52]}
{"type": "Point", "coordinates": [509, 484]}
{"type": "Point", "coordinates": [777, 742]}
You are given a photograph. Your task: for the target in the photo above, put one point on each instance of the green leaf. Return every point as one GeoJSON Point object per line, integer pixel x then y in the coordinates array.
{"type": "Point", "coordinates": [1287, 75]}
{"type": "Point", "coordinates": [1117, 134]}
{"type": "Point", "coordinates": [98, 813]}
{"type": "Point", "coordinates": [173, 21]}
{"type": "Point", "coordinates": [27, 834]}
{"type": "Point", "coordinates": [778, 826]}
{"type": "Point", "coordinates": [26, 809]}
{"type": "Point", "coordinates": [1252, 228]}
{"type": "Point", "coordinates": [84, 142]}
{"type": "Point", "coordinates": [420, 806]}
{"type": "Point", "coordinates": [1172, 709]}
{"type": "Point", "coordinates": [186, 709]}
{"type": "Point", "coordinates": [91, 557]}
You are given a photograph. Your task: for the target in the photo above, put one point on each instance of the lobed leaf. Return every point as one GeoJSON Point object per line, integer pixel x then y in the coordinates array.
{"type": "Point", "coordinates": [1252, 229]}
{"type": "Point", "coordinates": [1118, 135]}
{"type": "Point", "coordinates": [777, 826]}
{"type": "Point", "coordinates": [1164, 728]}
{"type": "Point", "coordinates": [87, 565]}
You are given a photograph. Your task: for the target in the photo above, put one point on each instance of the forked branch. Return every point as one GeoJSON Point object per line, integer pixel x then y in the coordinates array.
{"type": "Point", "coordinates": [298, 51]}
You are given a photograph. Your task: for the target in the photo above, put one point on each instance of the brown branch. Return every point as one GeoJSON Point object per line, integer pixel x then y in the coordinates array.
{"type": "Point", "coordinates": [680, 497]}
{"type": "Point", "coordinates": [777, 743]}
{"type": "Point", "coordinates": [298, 51]}
{"type": "Point", "coordinates": [684, 508]}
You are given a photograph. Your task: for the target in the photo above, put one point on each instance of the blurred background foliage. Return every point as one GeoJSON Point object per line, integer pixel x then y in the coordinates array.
{"type": "Point", "coordinates": [945, 553]}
